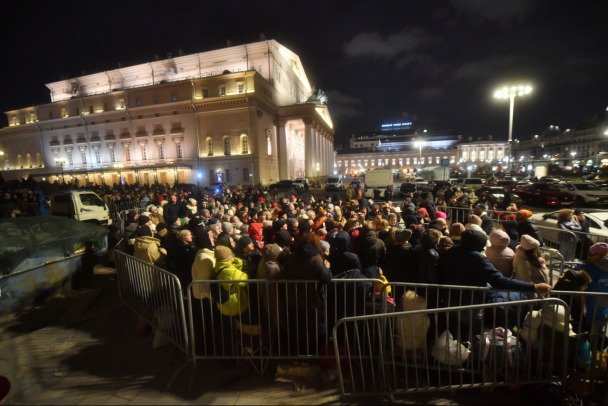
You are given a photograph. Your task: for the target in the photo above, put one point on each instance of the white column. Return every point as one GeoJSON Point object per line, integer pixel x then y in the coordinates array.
{"type": "Point", "coordinates": [309, 147]}
{"type": "Point", "coordinates": [282, 150]}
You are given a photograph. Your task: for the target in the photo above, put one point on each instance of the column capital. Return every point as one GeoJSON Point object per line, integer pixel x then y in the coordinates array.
{"type": "Point", "coordinates": [279, 123]}
{"type": "Point", "coordinates": [308, 120]}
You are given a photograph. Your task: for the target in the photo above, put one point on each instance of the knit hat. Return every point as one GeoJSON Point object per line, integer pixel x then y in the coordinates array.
{"type": "Point", "coordinates": [212, 221]}
{"type": "Point", "coordinates": [456, 230]}
{"type": "Point", "coordinates": [172, 219]}
{"type": "Point", "coordinates": [599, 248]}
{"type": "Point", "coordinates": [440, 214]}
{"type": "Point", "coordinates": [403, 235]}
{"type": "Point", "coordinates": [474, 219]}
{"type": "Point", "coordinates": [278, 225]}
{"type": "Point", "coordinates": [222, 253]}
{"type": "Point", "coordinates": [227, 227]}
{"type": "Point", "coordinates": [423, 211]}
{"type": "Point", "coordinates": [141, 220]}
{"type": "Point", "coordinates": [529, 243]}
{"type": "Point", "coordinates": [525, 214]}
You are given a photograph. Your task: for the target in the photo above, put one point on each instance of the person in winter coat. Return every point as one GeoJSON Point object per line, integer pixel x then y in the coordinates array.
{"type": "Point", "coordinates": [464, 265]}
{"type": "Point", "coordinates": [255, 232]}
{"type": "Point", "coordinates": [528, 263]}
{"type": "Point", "coordinates": [427, 257]}
{"type": "Point", "coordinates": [147, 248]}
{"type": "Point", "coordinates": [371, 251]}
{"type": "Point", "coordinates": [204, 263]}
{"type": "Point", "coordinates": [567, 241]}
{"type": "Point", "coordinates": [231, 297]}
{"type": "Point", "coordinates": [456, 230]}
{"type": "Point", "coordinates": [526, 226]}
{"type": "Point", "coordinates": [486, 221]}
{"type": "Point", "coordinates": [499, 253]}
{"type": "Point", "coordinates": [185, 252]}
{"type": "Point", "coordinates": [411, 331]}
{"type": "Point", "coordinates": [246, 251]}
{"type": "Point", "coordinates": [340, 256]}
{"type": "Point", "coordinates": [575, 281]}
{"type": "Point", "coordinates": [597, 267]}
{"type": "Point", "coordinates": [398, 266]}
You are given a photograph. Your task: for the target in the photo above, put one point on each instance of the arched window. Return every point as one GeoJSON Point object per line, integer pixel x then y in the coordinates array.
{"type": "Point", "coordinates": [28, 160]}
{"type": "Point", "coordinates": [244, 144]}
{"type": "Point", "coordinates": [38, 160]}
{"type": "Point", "coordinates": [19, 161]}
{"type": "Point", "coordinates": [226, 145]}
{"type": "Point", "coordinates": [209, 147]}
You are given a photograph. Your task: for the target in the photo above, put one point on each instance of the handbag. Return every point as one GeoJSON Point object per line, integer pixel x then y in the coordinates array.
{"type": "Point", "coordinates": [449, 351]}
{"type": "Point", "coordinates": [493, 346]}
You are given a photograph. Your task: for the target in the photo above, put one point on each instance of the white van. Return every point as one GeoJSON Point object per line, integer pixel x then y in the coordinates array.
{"type": "Point", "coordinates": [81, 205]}
{"type": "Point", "coordinates": [334, 183]}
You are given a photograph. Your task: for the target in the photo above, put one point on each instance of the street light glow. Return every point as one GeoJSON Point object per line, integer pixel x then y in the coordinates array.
{"type": "Point", "coordinates": [507, 92]}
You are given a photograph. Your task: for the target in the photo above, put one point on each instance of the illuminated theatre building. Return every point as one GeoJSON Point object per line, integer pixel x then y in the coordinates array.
{"type": "Point", "coordinates": [242, 115]}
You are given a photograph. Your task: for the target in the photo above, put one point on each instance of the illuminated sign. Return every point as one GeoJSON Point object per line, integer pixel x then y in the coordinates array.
{"type": "Point", "coordinates": [396, 126]}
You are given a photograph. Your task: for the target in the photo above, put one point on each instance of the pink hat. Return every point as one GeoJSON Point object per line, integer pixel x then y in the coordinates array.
{"type": "Point", "coordinates": [599, 248]}
{"type": "Point", "coordinates": [529, 243]}
{"type": "Point", "coordinates": [440, 214]}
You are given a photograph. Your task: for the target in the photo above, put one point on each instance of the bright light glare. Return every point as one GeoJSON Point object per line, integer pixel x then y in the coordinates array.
{"type": "Point", "coordinates": [507, 92]}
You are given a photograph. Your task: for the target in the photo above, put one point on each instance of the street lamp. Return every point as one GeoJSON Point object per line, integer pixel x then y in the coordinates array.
{"type": "Point", "coordinates": [510, 93]}
{"type": "Point", "coordinates": [419, 144]}
{"type": "Point", "coordinates": [60, 162]}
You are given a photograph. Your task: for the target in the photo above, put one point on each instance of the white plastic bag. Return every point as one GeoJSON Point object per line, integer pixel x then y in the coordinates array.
{"type": "Point", "coordinates": [449, 351]}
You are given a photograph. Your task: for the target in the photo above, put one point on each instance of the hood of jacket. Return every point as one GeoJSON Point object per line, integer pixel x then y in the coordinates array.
{"type": "Point", "coordinates": [341, 242]}
{"type": "Point", "coordinates": [306, 251]}
{"type": "Point", "coordinates": [142, 242]}
{"type": "Point", "coordinates": [255, 231]}
{"type": "Point", "coordinates": [499, 238]}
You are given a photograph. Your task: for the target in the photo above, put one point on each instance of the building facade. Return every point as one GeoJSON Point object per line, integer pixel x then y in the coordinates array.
{"type": "Point", "coordinates": [401, 149]}
{"type": "Point", "coordinates": [245, 114]}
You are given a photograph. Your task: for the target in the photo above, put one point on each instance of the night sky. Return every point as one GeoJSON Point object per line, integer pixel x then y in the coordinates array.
{"type": "Point", "coordinates": [435, 63]}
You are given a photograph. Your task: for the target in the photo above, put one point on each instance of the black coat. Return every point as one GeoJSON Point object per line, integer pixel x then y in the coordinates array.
{"type": "Point", "coordinates": [528, 227]}
{"type": "Point", "coordinates": [398, 266]}
{"type": "Point", "coordinates": [340, 257]}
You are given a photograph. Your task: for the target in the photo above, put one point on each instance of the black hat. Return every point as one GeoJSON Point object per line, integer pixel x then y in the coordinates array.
{"type": "Point", "coordinates": [473, 240]}
{"type": "Point", "coordinates": [172, 219]}
{"type": "Point", "coordinates": [141, 220]}
{"type": "Point", "coordinates": [578, 211]}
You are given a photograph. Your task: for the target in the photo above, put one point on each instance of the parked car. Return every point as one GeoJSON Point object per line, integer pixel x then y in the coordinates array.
{"type": "Point", "coordinates": [407, 187]}
{"type": "Point", "coordinates": [598, 231]}
{"type": "Point", "coordinates": [334, 183]}
{"type": "Point", "coordinates": [544, 194]}
{"type": "Point", "coordinates": [587, 193]}
{"type": "Point", "coordinates": [552, 179]}
{"type": "Point", "coordinates": [496, 195]}
{"type": "Point", "coordinates": [473, 183]}
{"type": "Point", "coordinates": [438, 187]}
{"type": "Point", "coordinates": [303, 182]}
{"type": "Point", "coordinates": [286, 185]}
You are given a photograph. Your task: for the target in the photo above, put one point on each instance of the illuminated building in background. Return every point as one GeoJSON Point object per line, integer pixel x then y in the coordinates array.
{"type": "Point", "coordinates": [244, 114]}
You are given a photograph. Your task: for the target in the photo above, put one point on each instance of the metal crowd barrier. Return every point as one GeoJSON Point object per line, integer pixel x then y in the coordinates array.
{"type": "Point", "coordinates": [155, 295]}
{"type": "Point", "coordinates": [120, 218]}
{"type": "Point", "coordinates": [476, 356]}
{"type": "Point", "coordinates": [277, 320]}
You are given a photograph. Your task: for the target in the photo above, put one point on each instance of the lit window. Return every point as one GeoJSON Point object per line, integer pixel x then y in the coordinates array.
{"type": "Point", "coordinates": [415, 161]}
{"type": "Point", "coordinates": [241, 87]}
{"type": "Point", "coordinates": [245, 145]}
{"type": "Point", "coordinates": [422, 161]}
{"type": "Point", "coordinates": [393, 161]}
{"type": "Point", "coordinates": [226, 146]}
{"type": "Point", "coordinates": [268, 143]}
{"type": "Point", "coordinates": [407, 161]}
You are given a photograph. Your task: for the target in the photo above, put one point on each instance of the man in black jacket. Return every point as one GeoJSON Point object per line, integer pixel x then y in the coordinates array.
{"type": "Point", "coordinates": [486, 221]}
{"type": "Point", "coordinates": [526, 226]}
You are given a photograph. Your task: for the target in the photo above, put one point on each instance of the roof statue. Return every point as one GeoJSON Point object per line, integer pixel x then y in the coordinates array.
{"type": "Point", "coordinates": [317, 96]}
